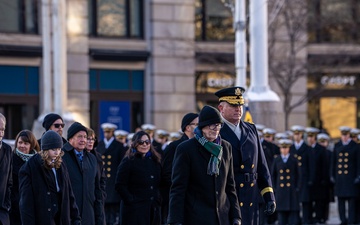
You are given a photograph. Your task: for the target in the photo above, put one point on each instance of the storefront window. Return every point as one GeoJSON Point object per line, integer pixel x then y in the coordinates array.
{"type": "Point", "coordinates": [334, 21]}
{"type": "Point", "coordinates": [18, 16]}
{"type": "Point", "coordinates": [116, 18]}
{"type": "Point", "coordinates": [213, 21]}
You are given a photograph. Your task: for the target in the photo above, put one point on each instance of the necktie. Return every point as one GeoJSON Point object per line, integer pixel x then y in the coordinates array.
{"type": "Point", "coordinates": [80, 156]}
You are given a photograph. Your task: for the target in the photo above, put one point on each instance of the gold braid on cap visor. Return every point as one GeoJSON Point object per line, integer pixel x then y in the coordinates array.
{"type": "Point", "coordinates": [234, 100]}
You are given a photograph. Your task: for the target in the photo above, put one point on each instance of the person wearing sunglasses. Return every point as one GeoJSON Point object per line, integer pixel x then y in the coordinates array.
{"type": "Point", "coordinates": [203, 186]}
{"type": "Point", "coordinates": [137, 182]}
{"type": "Point", "coordinates": [55, 122]}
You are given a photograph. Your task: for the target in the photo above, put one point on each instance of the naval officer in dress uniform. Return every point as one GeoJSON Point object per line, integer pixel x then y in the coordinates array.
{"type": "Point", "coordinates": [250, 168]}
{"type": "Point", "coordinates": [112, 153]}
{"type": "Point", "coordinates": [345, 174]}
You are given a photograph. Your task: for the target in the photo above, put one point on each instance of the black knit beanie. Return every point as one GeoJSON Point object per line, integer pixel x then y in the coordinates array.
{"type": "Point", "coordinates": [74, 128]}
{"type": "Point", "coordinates": [209, 115]}
{"type": "Point", "coordinates": [51, 140]}
{"type": "Point", "coordinates": [186, 120]}
{"type": "Point", "coordinates": [50, 119]}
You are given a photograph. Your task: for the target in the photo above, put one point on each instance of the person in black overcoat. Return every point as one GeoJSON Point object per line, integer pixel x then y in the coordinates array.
{"type": "Point", "coordinates": [188, 124]}
{"type": "Point", "coordinates": [345, 174]}
{"type": "Point", "coordinates": [250, 167]}
{"type": "Point", "coordinates": [203, 187]}
{"type": "Point", "coordinates": [84, 176]}
{"type": "Point", "coordinates": [46, 196]}
{"type": "Point", "coordinates": [302, 152]}
{"type": "Point", "coordinates": [6, 156]}
{"type": "Point", "coordinates": [26, 146]}
{"type": "Point", "coordinates": [323, 140]}
{"type": "Point", "coordinates": [286, 177]}
{"type": "Point", "coordinates": [91, 144]}
{"type": "Point", "coordinates": [271, 151]}
{"type": "Point", "coordinates": [318, 190]}
{"type": "Point", "coordinates": [138, 180]}
{"type": "Point", "coordinates": [112, 152]}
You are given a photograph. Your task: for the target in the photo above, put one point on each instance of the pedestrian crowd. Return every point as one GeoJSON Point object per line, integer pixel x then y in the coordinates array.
{"type": "Point", "coordinates": [217, 170]}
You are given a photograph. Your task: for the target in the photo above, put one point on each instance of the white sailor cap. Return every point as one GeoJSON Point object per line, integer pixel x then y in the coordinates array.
{"type": "Point", "coordinates": [312, 131]}
{"type": "Point", "coordinates": [108, 126]}
{"type": "Point", "coordinates": [175, 135]}
{"type": "Point", "coordinates": [130, 136]}
{"type": "Point", "coordinates": [259, 127]}
{"type": "Point", "coordinates": [289, 133]}
{"type": "Point", "coordinates": [162, 133]}
{"type": "Point", "coordinates": [279, 136]}
{"type": "Point", "coordinates": [297, 129]}
{"type": "Point", "coordinates": [354, 131]}
{"type": "Point", "coordinates": [148, 126]}
{"type": "Point", "coordinates": [268, 131]}
{"type": "Point", "coordinates": [322, 137]}
{"type": "Point", "coordinates": [260, 133]}
{"type": "Point", "coordinates": [121, 133]}
{"type": "Point", "coordinates": [344, 129]}
{"type": "Point", "coordinates": [285, 143]}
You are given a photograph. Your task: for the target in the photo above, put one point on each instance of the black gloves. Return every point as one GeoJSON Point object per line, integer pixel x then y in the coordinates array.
{"type": "Point", "coordinates": [236, 222]}
{"type": "Point", "coordinates": [357, 180]}
{"type": "Point", "coordinates": [332, 180]}
{"type": "Point", "coordinates": [270, 208]}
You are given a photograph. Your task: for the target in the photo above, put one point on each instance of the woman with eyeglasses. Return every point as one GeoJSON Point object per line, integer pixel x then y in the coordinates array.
{"type": "Point", "coordinates": [203, 188]}
{"type": "Point", "coordinates": [46, 195]}
{"type": "Point", "coordinates": [91, 147]}
{"type": "Point", "coordinates": [137, 182]}
{"type": "Point", "coordinates": [26, 146]}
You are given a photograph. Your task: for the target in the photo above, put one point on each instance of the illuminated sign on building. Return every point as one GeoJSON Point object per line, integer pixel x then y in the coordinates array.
{"type": "Point", "coordinates": [338, 81]}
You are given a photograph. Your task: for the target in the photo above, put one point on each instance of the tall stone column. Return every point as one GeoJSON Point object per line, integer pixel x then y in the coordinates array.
{"type": "Point", "coordinates": [172, 63]}
{"type": "Point", "coordinates": [78, 61]}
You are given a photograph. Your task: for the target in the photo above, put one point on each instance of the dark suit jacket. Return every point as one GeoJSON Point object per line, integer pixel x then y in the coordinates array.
{"type": "Point", "coordinates": [85, 182]}
{"type": "Point", "coordinates": [287, 180]}
{"type": "Point", "coordinates": [345, 167]}
{"type": "Point", "coordinates": [196, 197]}
{"type": "Point", "coordinates": [306, 163]}
{"type": "Point", "coordinates": [318, 190]}
{"type": "Point", "coordinates": [248, 158]}
{"type": "Point", "coordinates": [5, 181]}
{"type": "Point", "coordinates": [111, 157]}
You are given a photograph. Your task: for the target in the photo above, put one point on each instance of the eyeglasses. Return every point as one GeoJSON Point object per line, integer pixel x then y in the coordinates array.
{"type": "Point", "coordinates": [216, 126]}
{"type": "Point", "coordinates": [147, 142]}
{"type": "Point", "coordinates": [58, 125]}
{"type": "Point", "coordinates": [91, 139]}
{"type": "Point", "coordinates": [195, 124]}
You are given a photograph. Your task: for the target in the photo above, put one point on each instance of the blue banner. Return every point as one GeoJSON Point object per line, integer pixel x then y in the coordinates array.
{"type": "Point", "coordinates": [116, 112]}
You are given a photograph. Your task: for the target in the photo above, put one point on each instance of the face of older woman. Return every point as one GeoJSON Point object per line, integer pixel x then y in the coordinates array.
{"type": "Point", "coordinates": [90, 143]}
{"type": "Point", "coordinates": [143, 145]}
{"type": "Point", "coordinates": [23, 146]}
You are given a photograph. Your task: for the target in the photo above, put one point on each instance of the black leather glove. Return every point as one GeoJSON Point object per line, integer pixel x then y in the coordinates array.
{"type": "Point", "coordinates": [270, 208]}
{"type": "Point", "coordinates": [236, 222]}
{"type": "Point", "coordinates": [357, 180]}
{"type": "Point", "coordinates": [332, 180]}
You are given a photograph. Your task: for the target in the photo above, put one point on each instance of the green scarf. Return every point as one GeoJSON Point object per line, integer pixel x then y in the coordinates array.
{"type": "Point", "coordinates": [214, 148]}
